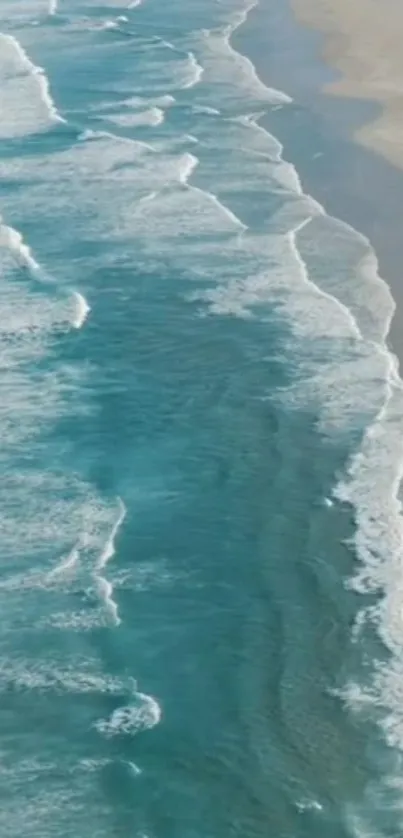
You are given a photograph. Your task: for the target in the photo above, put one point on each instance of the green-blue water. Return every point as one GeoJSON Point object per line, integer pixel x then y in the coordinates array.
{"type": "Point", "coordinates": [200, 429]}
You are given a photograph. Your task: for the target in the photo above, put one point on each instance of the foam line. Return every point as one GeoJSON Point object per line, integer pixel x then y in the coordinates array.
{"type": "Point", "coordinates": [231, 215]}
{"type": "Point", "coordinates": [13, 240]}
{"type": "Point", "coordinates": [105, 590]}
{"type": "Point", "coordinates": [89, 134]}
{"type": "Point", "coordinates": [103, 586]}
{"type": "Point", "coordinates": [205, 109]}
{"type": "Point", "coordinates": [238, 20]}
{"type": "Point", "coordinates": [67, 564]}
{"type": "Point", "coordinates": [292, 236]}
{"type": "Point", "coordinates": [188, 165]}
{"type": "Point", "coordinates": [109, 548]}
{"type": "Point", "coordinates": [82, 310]}
{"type": "Point", "coordinates": [214, 200]}
{"type": "Point", "coordinates": [52, 10]}
{"type": "Point", "coordinates": [198, 71]}
{"type": "Point", "coordinates": [37, 72]}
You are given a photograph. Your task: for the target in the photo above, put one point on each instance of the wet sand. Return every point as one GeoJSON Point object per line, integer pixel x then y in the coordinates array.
{"type": "Point", "coordinates": [325, 132]}
{"type": "Point", "coordinates": [363, 41]}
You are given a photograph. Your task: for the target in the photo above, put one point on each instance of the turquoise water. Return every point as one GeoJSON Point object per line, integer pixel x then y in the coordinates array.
{"type": "Point", "coordinates": [200, 424]}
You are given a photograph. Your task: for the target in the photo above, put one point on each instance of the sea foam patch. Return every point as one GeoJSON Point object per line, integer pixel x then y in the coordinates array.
{"type": "Point", "coordinates": [141, 714]}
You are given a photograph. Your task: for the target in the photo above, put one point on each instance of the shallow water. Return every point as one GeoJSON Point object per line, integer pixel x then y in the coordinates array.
{"type": "Point", "coordinates": [200, 421]}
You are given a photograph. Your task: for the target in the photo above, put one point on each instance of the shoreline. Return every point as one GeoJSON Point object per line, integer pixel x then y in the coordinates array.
{"type": "Point", "coordinates": [319, 134]}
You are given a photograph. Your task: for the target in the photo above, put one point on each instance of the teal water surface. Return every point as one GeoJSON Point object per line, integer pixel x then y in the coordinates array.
{"type": "Point", "coordinates": [196, 398]}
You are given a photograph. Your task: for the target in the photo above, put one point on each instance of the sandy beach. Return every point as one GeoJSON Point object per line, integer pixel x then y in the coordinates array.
{"type": "Point", "coordinates": [363, 41]}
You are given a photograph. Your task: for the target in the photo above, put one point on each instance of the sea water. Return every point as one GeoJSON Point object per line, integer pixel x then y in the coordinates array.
{"type": "Point", "coordinates": [201, 449]}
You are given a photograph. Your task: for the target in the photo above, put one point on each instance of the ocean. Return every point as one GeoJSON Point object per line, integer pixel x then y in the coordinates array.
{"type": "Point", "coordinates": [201, 449]}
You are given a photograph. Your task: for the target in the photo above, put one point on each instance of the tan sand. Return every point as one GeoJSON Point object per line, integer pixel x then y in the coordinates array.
{"type": "Point", "coordinates": [364, 41]}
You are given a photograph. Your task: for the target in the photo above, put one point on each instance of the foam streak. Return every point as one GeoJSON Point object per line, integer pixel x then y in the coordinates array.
{"type": "Point", "coordinates": [103, 586]}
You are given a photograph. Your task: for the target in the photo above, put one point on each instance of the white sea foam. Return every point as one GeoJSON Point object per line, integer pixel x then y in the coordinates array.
{"type": "Point", "coordinates": [89, 556]}
{"type": "Point", "coordinates": [72, 621]}
{"type": "Point", "coordinates": [58, 512]}
{"type": "Point", "coordinates": [372, 488]}
{"type": "Point", "coordinates": [135, 769]}
{"type": "Point", "coordinates": [188, 165]}
{"type": "Point", "coordinates": [134, 105]}
{"type": "Point", "coordinates": [104, 590]}
{"type": "Point", "coordinates": [351, 255]}
{"type": "Point", "coordinates": [164, 101]}
{"type": "Point", "coordinates": [230, 81]}
{"type": "Point", "coordinates": [25, 100]}
{"type": "Point", "coordinates": [109, 24]}
{"type": "Point", "coordinates": [53, 7]}
{"type": "Point", "coordinates": [360, 381]}
{"type": "Point", "coordinates": [142, 713]}
{"type": "Point", "coordinates": [22, 12]}
{"type": "Point", "coordinates": [13, 241]}
{"type": "Point", "coordinates": [131, 192]}
{"type": "Point", "coordinates": [309, 805]}
{"type": "Point", "coordinates": [89, 134]}
{"type": "Point", "coordinates": [91, 175]}
{"type": "Point", "coordinates": [229, 77]}
{"type": "Point", "coordinates": [152, 116]}
{"type": "Point", "coordinates": [82, 310]}
{"type": "Point", "coordinates": [368, 390]}
{"type": "Point", "coordinates": [103, 586]}
{"type": "Point", "coordinates": [103, 25]}
{"type": "Point", "coordinates": [310, 310]}
{"type": "Point", "coordinates": [109, 548]}
{"type": "Point", "coordinates": [75, 676]}
{"type": "Point", "coordinates": [195, 72]}
{"type": "Point", "coordinates": [92, 764]}
{"type": "Point", "coordinates": [66, 566]}
{"type": "Point", "coordinates": [304, 273]}
{"type": "Point", "coordinates": [30, 315]}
